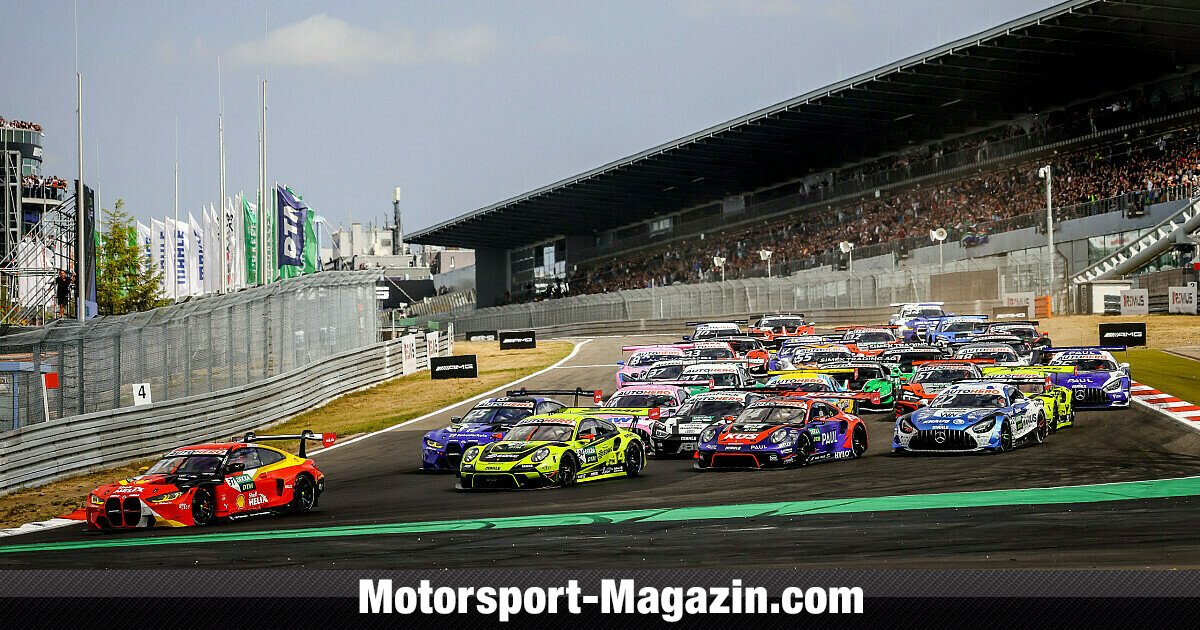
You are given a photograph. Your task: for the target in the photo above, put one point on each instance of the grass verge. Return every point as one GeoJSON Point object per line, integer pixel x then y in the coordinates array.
{"type": "Point", "coordinates": [1163, 371]}
{"type": "Point", "coordinates": [361, 412]}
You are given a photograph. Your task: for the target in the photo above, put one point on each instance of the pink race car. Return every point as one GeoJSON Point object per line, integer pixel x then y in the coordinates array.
{"type": "Point", "coordinates": [643, 357]}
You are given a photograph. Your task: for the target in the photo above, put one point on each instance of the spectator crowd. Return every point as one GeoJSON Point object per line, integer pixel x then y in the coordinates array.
{"type": "Point", "coordinates": [44, 187]}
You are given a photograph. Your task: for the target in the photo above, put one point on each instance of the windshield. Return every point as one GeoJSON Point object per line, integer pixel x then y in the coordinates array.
{"type": "Point", "coordinates": [943, 375]}
{"type": "Point", "coordinates": [540, 433]}
{"type": "Point", "coordinates": [187, 465]}
{"type": "Point", "coordinates": [725, 379]}
{"type": "Point", "coordinates": [756, 419]}
{"type": "Point", "coordinates": [714, 408]}
{"type": "Point", "coordinates": [905, 359]}
{"type": "Point", "coordinates": [1089, 365]}
{"type": "Point", "coordinates": [710, 333]}
{"type": "Point", "coordinates": [776, 322]}
{"type": "Point", "coordinates": [1031, 387]}
{"type": "Point", "coordinates": [800, 386]}
{"type": "Point", "coordinates": [496, 415]}
{"type": "Point", "coordinates": [822, 356]}
{"type": "Point", "coordinates": [968, 399]}
{"type": "Point", "coordinates": [710, 353]}
{"type": "Point", "coordinates": [647, 358]}
{"type": "Point", "coordinates": [959, 327]}
{"type": "Point", "coordinates": [663, 373]}
{"type": "Point", "coordinates": [862, 376]}
{"type": "Point", "coordinates": [999, 356]}
{"type": "Point", "coordinates": [871, 336]}
{"type": "Point", "coordinates": [634, 400]}
{"type": "Point", "coordinates": [1024, 332]}
{"type": "Point", "coordinates": [923, 312]}
{"type": "Point", "coordinates": [744, 346]}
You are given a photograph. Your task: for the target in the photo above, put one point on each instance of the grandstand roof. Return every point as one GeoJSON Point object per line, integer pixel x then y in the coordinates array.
{"type": "Point", "coordinates": [1073, 50]}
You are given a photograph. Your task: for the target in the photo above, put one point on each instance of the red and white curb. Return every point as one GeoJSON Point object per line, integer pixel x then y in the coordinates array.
{"type": "Point", "coordinates": [1166, 404]}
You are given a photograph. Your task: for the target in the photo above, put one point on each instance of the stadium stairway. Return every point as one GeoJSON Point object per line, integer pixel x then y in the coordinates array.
{"type": "Point", "coordinates": [1137, 254]}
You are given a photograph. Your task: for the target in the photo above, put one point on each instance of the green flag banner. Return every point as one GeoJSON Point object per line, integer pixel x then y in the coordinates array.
{"type": "Point", "coordinates": [250, 221]}
{"type": "Point", "coordinates": [311, 249]}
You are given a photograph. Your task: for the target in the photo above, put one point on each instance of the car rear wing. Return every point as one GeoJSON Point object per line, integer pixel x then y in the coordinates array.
{"type": "Point", "coordinates": [1060, 349]}
{"type": "Point", "coordinates": [1006, 322]}
{"type": "Point", "coordinates": [674, 383]}
{"type": "Point", "coordinates": [655, 346]}
{"type": "Point", "coordinates": [951, 361]}
{"type": "Point", "coordinates": [723, 321]}
{"type": "Point", "coordinates": [326, 439]}
{"type": "Point", "coordinates": [1033, 370]}
{"type": "Point", "coordinates": [899, 304]}
{"type": "Point", "coordinates": [813, 371]}
{"type": "Point", "coordinates": [596, 394]}
{"type": "Point", "coordinates": [866, 327]}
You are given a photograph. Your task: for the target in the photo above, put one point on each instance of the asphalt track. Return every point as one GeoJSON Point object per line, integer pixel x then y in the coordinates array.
{"type": "Point", "coordinates": [378, 505]}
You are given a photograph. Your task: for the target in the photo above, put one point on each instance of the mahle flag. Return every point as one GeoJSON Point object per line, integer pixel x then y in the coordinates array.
{"type": "Point", "coordinates": [293, 214]}
{"type": "Point", "coordinates": [250, 232]}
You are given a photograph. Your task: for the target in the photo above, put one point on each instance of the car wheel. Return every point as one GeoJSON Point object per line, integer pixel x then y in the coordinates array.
{"type": "Point", "coordinates": [634, 459]}
{"type": "Point", "coordinates": [1006, 437]}
{"type": "Point", "coordinates": [1042, 430]}
{"type": "Point", "coordinates": [858, 442]}
{"type": "Point", "coordinates": [204, 507]}
{"type": "Point", "coordinates": [567, 471]}
{"type": "Point", "coordinates": [803, 448]}
{"type": "Point", "coordinates": [304, 494]}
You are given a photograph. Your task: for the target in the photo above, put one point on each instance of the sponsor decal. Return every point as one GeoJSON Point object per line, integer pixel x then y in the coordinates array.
{"type": "Point", "coordinates": [463, 366]}
{"type": "Point", "coordinates": [241, 483]}
{"type": "Point", "coordinates": [482, 335]}
{"type": "Point", "coordinates": [1123, 334]}
{"type": "Point", "coordinates": [518, 340]}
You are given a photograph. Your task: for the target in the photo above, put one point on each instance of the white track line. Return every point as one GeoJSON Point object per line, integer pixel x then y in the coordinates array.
{"type": "Point", "coordinates": [40, 526]}
{"type": "Point", "coordinates": [574, 351]}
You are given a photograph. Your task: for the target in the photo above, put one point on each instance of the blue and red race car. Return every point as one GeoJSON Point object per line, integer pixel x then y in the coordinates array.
{"type": "Point", "coordinates": [782, 432]}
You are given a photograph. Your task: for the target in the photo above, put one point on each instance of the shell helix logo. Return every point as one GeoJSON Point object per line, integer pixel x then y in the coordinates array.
{"type": "Point", "coordinates": [241, 501]}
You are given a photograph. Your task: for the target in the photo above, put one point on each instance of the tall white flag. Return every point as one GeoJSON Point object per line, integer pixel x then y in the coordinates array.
{"type": "Point", "coordinates": [195, 256]}
{"type": "Point", "coordinates": [145, 244]}
{"type": "Point", "coordinates": [159, 243]}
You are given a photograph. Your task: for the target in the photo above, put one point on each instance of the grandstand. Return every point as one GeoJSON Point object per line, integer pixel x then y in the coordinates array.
{"type": "Point", "coordinates": [1105, 91]}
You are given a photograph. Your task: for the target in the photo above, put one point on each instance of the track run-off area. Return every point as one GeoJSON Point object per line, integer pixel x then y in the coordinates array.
{"type": "Point", "coordinates": [1120, 489]}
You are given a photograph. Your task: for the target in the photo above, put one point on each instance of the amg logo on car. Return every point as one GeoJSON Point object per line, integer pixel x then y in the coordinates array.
{"type": "Point", "coordinates": [465, 366]}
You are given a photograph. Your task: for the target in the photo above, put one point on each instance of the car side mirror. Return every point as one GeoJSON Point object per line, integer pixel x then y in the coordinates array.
{"type": "Point", "coordinates": [235, 467]}
{"type": "Point", "coordinates": [1125, 366]}
{"type": "Point", "coordinates": [620, 363]}
{"type": "Point", "coordinates": [587, 437]}
{"type": "Point", "coordinates": [143, 469]}
{"type": "Point", "coordinates": [729, 418]}
{"type": "Point", "coordinates": [687, 337]}
{"type": "Point", "coordinates": [498, 436]}
{"type": "Point", "coordinates": [456, 419]}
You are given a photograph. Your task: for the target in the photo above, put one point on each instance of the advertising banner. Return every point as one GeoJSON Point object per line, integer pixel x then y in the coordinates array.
{"type": "Point", "coordinates": [518, 340]}
{"type": "Point", "coordinates": [1135, 302]}
{"type": "Point", "coordinates": [1182, 300]}
{"type": "Point", "coordinates": [464, 366]}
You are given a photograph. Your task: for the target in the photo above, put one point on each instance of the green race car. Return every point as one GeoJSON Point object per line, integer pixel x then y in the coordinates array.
{"type": "Point", "coordinates": [1034, 382]}
{"type": "Point", "coordinates": [558, 449]}
{"type": "Point", "coordinates": [869, 377]}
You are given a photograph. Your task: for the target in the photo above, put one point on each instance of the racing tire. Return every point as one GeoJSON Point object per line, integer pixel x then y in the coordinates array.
{"type": "Point", "coordinates": [568, 472]}
{"type": "Point", "coordinates": [204, 507]}
{"type": "Point", "coordinates": [1006, 437]}
{"type": "Point", "coordinates": [634, 459]}
{"type": "Point", "coordinates": [304, 495]}
{"type": "Point", "coordinates": [803, 447]}
{"type": "Point", "coordinates": [858, 442]}
{"type": "Point", "coordinates": [1042, 430]}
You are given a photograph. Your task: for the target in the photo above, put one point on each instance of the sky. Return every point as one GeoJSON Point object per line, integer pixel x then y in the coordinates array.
{"type": "Point", "coordinates": [461, 104]}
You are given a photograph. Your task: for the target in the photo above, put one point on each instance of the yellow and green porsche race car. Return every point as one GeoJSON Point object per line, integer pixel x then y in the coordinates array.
{"type": "Point", "coordinates": [1035, 382]}
{"type": "Point", "coordinates": [558, 449]}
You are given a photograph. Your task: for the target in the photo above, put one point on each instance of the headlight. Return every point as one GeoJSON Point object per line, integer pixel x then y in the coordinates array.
{"type": "Point", "coordinates": [708, 434]}
{"type": "Point", "coordinates": [95, 500]}
{"type": "Point", "coordinates": [779, 435]}
{"type": "Point", "coordinates": [471, 454]}
{"type": "Point", "coordinates": [985, 426]}
{"type": "Point", "coordinates": [907, 427]}
{"type": "Point", "coordinates": [1113, 385]}
{"type": "Point", "coordinates": [540, 454]}
{"type": "Point", "coordinates": [163, 498]}
{"type": "Point", "coordinates": [431, 444]}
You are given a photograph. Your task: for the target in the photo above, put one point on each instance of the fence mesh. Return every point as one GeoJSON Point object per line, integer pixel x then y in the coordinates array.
{"type": "Point", "coordinates": [196, 347]}
{"type": "Point", "coordinates": [806, 291]}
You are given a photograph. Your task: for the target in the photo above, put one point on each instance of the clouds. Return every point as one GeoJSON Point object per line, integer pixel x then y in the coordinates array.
{"type": "Point", "coordinates": [322, 41]}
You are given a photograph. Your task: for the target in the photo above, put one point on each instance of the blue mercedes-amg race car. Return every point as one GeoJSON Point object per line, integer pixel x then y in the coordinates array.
{"type": "Point", "coordinates": [486, 422]}
{"type": "Point", "coordinates": [972, 416]}
{"type": "Point", "coordinates": [1098, 382]}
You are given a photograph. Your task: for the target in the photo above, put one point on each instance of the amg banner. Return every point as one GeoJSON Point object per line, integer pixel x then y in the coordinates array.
{"type": "Point", "coordinates": [464, 366]}
{"type": "Point", "coordinates": [1010, 312]}
{"type": "Point", "coordinates": [482, 335]}
{"type": "Point", "coordinates": [1130, 334]}
{"type": "Point", "coordinates": [518, 340]}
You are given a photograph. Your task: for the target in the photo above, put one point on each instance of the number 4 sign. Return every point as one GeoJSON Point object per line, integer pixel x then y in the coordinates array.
{"type": "Point", "coordinates": [141, 394]}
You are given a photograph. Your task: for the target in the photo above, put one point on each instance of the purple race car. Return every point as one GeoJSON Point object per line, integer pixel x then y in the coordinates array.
{"type": "Point", "coordinates": [782, 432]}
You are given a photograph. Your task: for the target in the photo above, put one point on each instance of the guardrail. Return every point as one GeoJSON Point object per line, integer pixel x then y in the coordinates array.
{"type": "Point", "coordinates": [40, 453]}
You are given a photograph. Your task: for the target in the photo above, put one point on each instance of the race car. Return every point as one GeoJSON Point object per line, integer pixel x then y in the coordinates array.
{"type": "Point", "coordinates": [712, 376]}
{"type": "Point", "coordinates": [1019, 345]}
{"type": "Point", "coordinates": [900, 359]}
{"type": "Point", "coordinates": [204, 483]}
{"type": "Point", "coordinates": [1026, 330]}
{"type": "Point", "coordinates": [814, 356]}
{"type": "Point", "coordinates": [930, 378]}
{"type": "Point", "coordinates": [557, 449]}
{"type": "Point", "coordinates": [977, 416]}
{"type": "Point", "coordinates": [869, 377]}
{"type": "Point", "coordinates": [712, 330]}
{"type": "Point", "coordinates": [666, 396]}
{"type": "Point", "coordinates": [642, 358]}
{"type": "Point", "coordinates": [1037, 382]}
{"type": "Point", "coordinates": [867, 340]}
{"type": "Point", "coordinates": [442, 449]}
{"type": "Point", "coordinates": [1098, 382]}
{"type": "Point", "coordinates": [643, 421]}
{"type": "Point", "coordinates": [786, 353]}
{"type": "Point", "coordinates": [782, 432]}
{"type": "Point", "coordinates": [818, 384]}
{"type": "Point", "coordinates": [914, 317]}
{"type": "Point", "coordinates": [948, 331]}
{"type": "Point", "coordinates": [681, 431]}
{"type": "Point", "coordinates": [750, 350]}
{"type": "Point", "coordinates": [999, 353]}
{"type": "Point", "coordinates": [774, 329]}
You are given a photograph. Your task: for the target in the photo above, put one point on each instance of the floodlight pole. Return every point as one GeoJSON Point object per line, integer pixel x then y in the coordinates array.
{"type": "Point", "coordinates": [1045, 174]}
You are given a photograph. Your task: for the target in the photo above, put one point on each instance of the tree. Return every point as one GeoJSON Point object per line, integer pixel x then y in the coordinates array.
{"type": "Point", "coordinates": [125, 282]}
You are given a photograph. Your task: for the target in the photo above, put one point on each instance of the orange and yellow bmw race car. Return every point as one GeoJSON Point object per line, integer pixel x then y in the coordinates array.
{"type": "Point", "coordinates": [197, 485]}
